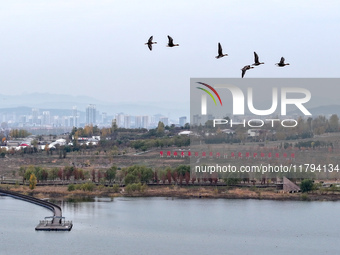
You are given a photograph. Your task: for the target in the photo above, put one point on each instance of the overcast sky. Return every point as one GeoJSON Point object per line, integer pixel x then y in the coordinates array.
{"type": "Point", "coordinates": [96, 48]}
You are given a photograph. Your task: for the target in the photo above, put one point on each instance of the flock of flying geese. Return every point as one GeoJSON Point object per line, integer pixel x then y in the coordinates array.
{"type": "Point", "coordinates": [220, 55]}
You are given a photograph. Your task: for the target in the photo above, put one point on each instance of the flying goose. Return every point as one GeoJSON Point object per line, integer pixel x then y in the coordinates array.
{"type": "Point", "coordinates": [171, 42]}
{"type": "Point", "coordinates": [150, 42]}
{"type": "Point", "coordinates": [220, 53]}
{"type": "Point", "coordinates": [282, 63]}
{"type": "Point", "coordinates": [256, 60]}
{"type": "Point", "coordinates": [245, 68]}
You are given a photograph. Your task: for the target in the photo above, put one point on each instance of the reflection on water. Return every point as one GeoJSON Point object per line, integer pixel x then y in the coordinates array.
{"type": "Point", "coordinates": [160, 226]}
{"type": "Point", "coordinates": [79, 200]}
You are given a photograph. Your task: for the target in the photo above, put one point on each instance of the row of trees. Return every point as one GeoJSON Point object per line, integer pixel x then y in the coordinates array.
{"type": "Point", "coordinates": [66, 173]}
{"type": "Point", "coordinates": [128, 175]}
{"type": "Point", "coordinates": [144, 145]}
{"type": "Point", "coordinates": [19, 133]}
{"type": "Point", "coordinates": [137, 174]}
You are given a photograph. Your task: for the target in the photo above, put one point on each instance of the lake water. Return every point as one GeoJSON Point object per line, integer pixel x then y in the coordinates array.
{"type": "Point", "coordinates": [179, 226]}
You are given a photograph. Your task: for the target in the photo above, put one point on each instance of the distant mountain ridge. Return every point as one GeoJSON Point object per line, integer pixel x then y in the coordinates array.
{"type": "Point", "coordinates": [64, 103]}
{"type": "Point", "coordinates": [321, 110]}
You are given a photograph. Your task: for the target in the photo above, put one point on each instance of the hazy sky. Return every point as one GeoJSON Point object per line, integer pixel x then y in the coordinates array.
{"type": "Point", "coordinates": [96, 48]}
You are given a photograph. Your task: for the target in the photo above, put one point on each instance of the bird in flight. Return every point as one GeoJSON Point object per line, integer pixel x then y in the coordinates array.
{"type": "Point", "coordinates": [220, 52]}
{"type": "Point", "coordinates": [282, 63]}
{"type": "Point", "coordinates": [245, 68]}
{"type": "Point", "coordinates": [256, 60]}
{"type": "Point", "coordinates": [150, 42]}
{"type": "Point", "coordinates": [171, 42]}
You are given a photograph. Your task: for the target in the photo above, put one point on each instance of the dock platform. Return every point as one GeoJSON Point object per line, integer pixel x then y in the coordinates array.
{"type": "Point", "coordinates": [59, 225]}
{"type": "Point", "coordinates": [52, 223]}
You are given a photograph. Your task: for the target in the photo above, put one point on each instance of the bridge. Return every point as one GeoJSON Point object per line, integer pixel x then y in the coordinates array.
{"type": "Point", "coordinates": [53, 223]}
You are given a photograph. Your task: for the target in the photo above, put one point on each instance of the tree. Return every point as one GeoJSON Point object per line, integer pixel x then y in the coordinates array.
{"type": "Point", "coordinates": [307, 185]}
{"type": "Point", "coordinates": [18, 133]}
{"type": "Point", "coordinates": [183, 171]}
{"type": "Point", "coordinates": [22, 171]}
{"type": "Point", "coordinates": [232, 181]}
{"type": "Point", "coordinates": [47, 149]}
{"type": "Point", "coordinates": [160, 128]}
{"type": "Point", "coordinates": [114, 129]}
{"type": "Point", "coordinates": [111, 173]}
{"type": "Point", "coordinates": [130, 178]}
{"type": "Point", "coordinates": [28, 171]}
{"type": "Point", "coordinates": [186, 126]}
{"type": "Point", "coordinates": [136, 174]}
{"type": "Point", "coordinates": [334, 123]}
{"type": "Point", "coordinates": [146, 174]}
{"type": "Point", "coordinates": [32, 181]}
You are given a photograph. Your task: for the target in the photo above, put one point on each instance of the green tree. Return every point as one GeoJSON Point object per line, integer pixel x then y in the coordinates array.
{"type": "Point", "coordinates": [232, 181]}
{"type": "Point", "coordinates": [146, 174]}
{"type": "Point", "coordinates": [137, 174]}
{"type": "Point", "coordinates": [307, 185]}
{"type": "Point", "coordinates": [28, 171]}
{"type": "Point", "coordinates": [130, 178]}
{"type": "Point", "coordinates": [111, 173]}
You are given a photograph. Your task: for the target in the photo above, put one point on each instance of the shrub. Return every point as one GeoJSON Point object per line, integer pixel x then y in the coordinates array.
{"type": "Point", "coordinates": [88, 186]}
{"type": "Point", "coordinates": [144, 188]}
{"type": "Point", "coordinates": [115, 188]}
{"type": "Point", "coordinates": [78, 186]}
{"type": "Point", "coordinates": [232, 181]}
{"type": "Point", "coordinates": [128, 188]}
{"type": "Point", "coordinates": [304, 197]}
{"type": "Point", "coordinates": [71, 187]}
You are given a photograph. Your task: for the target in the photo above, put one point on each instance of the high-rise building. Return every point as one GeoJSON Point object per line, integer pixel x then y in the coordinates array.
{"type": "Point", "coordinates": [35, 114]}
{"type": "Point", "coordinates": [165, 120]}
{"type": "Point", "coordinates": [91, 114]}
{"type": "Point", "coordinates": [57, 121]}
{"type": "Point", "coordinates": [138, 122]}
{"type": "Point", "coordinates": [120, 120]}
{"type": "Point", "coordinates": [145, 121]}
{"type": "Point", "coordinates": [127, 121]}
{"type": "Point", "coordinates": [46, 118]}
{"type": "Point", "coordinates": [75, 116]}
{"type": "Point", "coordinates": [104, 117]}
{"type": "Point", "coordinates": [182, 121]}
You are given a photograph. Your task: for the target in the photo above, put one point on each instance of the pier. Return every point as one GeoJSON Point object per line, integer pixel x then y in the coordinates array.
{"type": "Point", "coordinates": [52, 223]}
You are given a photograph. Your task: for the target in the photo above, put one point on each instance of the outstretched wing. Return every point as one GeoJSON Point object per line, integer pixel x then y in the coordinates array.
{"type": "Point", "coordinates": [150, 46]}
{"type": "Point", "coordinates": [219, 49]}
{"type": "Point", "coordinates": [150, 39]}
{"type": "Point", "coordinates": [244, 69]}
{"type": "Point", "coordinates": [256, 57]}
{"type": "Point", "coordinates": [171, 41]}
{"type": "Point", "coordinates": [282, 61]}
{"type": "Point", "coordinates": [243, 72]}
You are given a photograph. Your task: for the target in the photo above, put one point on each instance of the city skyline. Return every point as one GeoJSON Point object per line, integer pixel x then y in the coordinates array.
{"type": "Point", "coordinates": [77, 118]}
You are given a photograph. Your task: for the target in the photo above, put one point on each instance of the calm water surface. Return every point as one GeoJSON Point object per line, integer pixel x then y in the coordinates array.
{"type": "Point", "coordinates": [166, 226]}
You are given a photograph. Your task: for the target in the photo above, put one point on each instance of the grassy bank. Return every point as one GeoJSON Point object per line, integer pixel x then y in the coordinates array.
{"type": "Point", "coordinates": [62, 192]}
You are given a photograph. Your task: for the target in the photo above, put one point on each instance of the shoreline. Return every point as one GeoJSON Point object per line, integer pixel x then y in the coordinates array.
{"type": "Point", "coordinates": [61, 193]}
